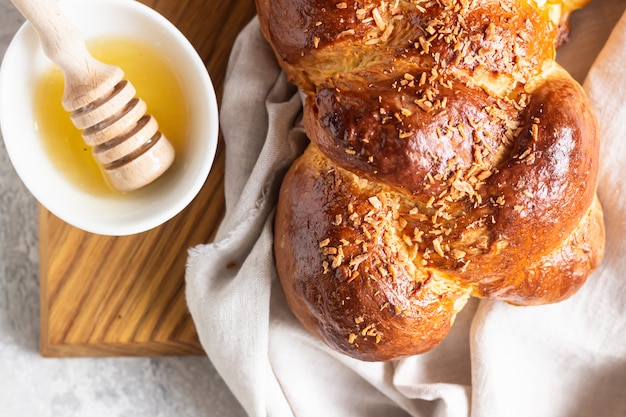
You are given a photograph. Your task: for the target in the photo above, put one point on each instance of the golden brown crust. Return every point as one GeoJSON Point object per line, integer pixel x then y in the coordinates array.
{"type": "Point", "coordinates": [347, 274]}
{"type": "Point", "coordinates": [450, 157]}
{"type": "Point", "coordinates": [315, 39]}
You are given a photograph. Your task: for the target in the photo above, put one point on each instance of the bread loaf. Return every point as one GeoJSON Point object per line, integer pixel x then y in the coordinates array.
{"type": "Point", "coordinates": [450, 157]}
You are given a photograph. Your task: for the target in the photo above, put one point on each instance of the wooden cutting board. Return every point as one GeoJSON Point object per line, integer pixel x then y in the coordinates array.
{"type": "Point", "coordinates": [124, 296]}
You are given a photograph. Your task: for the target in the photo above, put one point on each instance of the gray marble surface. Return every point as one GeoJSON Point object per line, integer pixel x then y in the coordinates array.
{"type": "Point", "coordinates": [32, 386]}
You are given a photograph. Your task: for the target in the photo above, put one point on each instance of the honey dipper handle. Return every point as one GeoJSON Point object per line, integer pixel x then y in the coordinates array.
{"type": "Point", "coordinates": [85, 77]}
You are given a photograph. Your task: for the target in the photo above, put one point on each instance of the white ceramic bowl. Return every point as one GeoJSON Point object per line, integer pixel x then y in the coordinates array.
{"type": "Point", "coordinates": [144, 209]}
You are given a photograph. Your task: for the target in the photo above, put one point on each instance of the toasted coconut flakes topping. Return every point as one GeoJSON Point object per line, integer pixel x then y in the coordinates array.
{"type": "Point", "coordinates": [438, 247]}
{"type": "Point", "coordinates": [356, 261]}
{"type": "Point", "coordinates": [338, 259]}
{"type": "Point", "coordinates": [354, 275]}
{"type": "Point", "coordinates": [459, 182]}
{"type": "Point", "coordinates": [530, 159]}
{"type": "Point", "coordinates": [458, 254]}
{"type": "Point", "coordinates": [329, 250]}
{"type": "Point", "coordinates": [535, 131]}
{"type": "Point", "coordinates": [404, 135]}
{"type": "Point", "coordinates": [347, 32]}
{"type": "Point", "coordinates": [490, 32]}
{"type": "Point", "coordinates": [375, 202]}
{"type": "Point", "coordinates": [378, 19]}
{"type": "Point", "coordinates": [387, 33]}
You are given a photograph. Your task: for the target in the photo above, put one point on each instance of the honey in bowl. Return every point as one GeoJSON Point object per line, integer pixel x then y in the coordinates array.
{"type": "Point", "coordinates": [156, 83]}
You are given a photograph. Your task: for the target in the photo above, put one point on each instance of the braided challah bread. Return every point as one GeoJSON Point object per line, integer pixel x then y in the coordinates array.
{"type": "Point", "coordinates": [450, 157]}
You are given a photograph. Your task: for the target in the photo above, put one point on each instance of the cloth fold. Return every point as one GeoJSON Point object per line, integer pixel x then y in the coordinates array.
{"type": "Point", "coordinates": [566, 359]}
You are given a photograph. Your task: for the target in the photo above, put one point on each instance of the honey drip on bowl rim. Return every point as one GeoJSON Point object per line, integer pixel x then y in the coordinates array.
{"type": "Point", "coordinates": [156, 83]}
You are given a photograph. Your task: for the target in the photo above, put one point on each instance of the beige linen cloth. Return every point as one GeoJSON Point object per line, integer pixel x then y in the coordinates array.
{"type": "Point", "coordinates": [566, 359]}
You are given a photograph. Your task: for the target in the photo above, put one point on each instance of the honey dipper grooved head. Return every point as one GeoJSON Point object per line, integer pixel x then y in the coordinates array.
{"type": "Point", "coordinates": [131, 152]}
{"type": "Point", "coordinates": [127, 143]}
{"type": "Point", "coordinates": [143, 170]}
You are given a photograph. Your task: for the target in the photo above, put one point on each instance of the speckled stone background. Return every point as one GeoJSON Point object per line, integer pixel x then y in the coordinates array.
{"type": "Point", "coordinates": [32, 386]}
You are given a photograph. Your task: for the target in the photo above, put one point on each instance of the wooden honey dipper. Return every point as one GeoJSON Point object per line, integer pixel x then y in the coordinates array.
{"type": "Point", "coordinates": [126, 142]}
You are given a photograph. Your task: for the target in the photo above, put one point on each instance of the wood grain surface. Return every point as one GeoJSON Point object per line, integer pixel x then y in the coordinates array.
{"type": "Point", "coordinates": [123, 296]}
